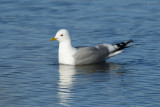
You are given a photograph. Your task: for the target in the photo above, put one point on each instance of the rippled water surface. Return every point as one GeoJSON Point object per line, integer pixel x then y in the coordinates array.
{"type": "Point", "coordinates": [30, 75]}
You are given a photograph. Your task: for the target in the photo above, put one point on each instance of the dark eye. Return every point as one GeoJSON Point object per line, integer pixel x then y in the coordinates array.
{"type": "Point", "coordinates": [61, 34]}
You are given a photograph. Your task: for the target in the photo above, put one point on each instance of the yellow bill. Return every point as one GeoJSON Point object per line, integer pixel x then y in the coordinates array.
{"type": "Point", "coordinates": [53, 39]}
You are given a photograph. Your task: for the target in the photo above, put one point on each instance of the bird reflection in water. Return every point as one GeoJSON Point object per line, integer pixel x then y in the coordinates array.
{"type": "Point", "coordinates": [68, 75]}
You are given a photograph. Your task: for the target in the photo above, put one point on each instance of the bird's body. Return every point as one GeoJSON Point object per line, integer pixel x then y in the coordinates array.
{"type": "Point", "coordinates": [85, 55]}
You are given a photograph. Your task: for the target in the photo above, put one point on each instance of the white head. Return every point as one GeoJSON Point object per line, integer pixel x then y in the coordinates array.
{"type": "Point", "coordinates": [62, 35]}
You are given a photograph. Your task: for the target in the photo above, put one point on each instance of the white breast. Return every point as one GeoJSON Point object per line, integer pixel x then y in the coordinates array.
{"type": "Point", "coordinates": [66, 53]}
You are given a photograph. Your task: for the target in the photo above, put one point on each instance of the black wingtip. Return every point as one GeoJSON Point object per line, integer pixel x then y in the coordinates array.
{"type": "Point", "coordinates": [129, 41]}
{"type": "Point", "coordinates": [124, 44]}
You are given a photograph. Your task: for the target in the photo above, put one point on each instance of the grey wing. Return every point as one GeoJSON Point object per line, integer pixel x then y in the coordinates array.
{"type": "Point", "coordinates": [87, 55]}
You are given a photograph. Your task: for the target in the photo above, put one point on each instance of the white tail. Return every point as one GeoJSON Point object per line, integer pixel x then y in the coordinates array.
{"type": "Point", "coordinates": [115, 53]}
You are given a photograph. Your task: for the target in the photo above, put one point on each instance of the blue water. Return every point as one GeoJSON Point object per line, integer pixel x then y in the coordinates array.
{"type": "Point", "coordinates": [30, 75]}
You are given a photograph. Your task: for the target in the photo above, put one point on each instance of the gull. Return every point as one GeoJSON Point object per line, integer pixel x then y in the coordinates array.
{"type": "Point", "coordinates": [85, 55]}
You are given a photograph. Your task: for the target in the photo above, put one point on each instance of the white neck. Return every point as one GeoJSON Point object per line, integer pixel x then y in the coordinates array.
{"type": "Point", "coordinates": [66, 51]}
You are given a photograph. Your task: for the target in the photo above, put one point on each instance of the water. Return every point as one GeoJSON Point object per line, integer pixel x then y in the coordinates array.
{"type": "Point", "coordinates": [30, 75]}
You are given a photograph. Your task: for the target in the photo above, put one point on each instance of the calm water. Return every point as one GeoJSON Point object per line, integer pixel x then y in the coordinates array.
{"type": "Point", "coordinates": [30, 75]}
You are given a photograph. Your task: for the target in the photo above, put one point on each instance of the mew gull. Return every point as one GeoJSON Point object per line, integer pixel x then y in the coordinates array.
{"type": "Point", "coordinates": [85, 55]}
